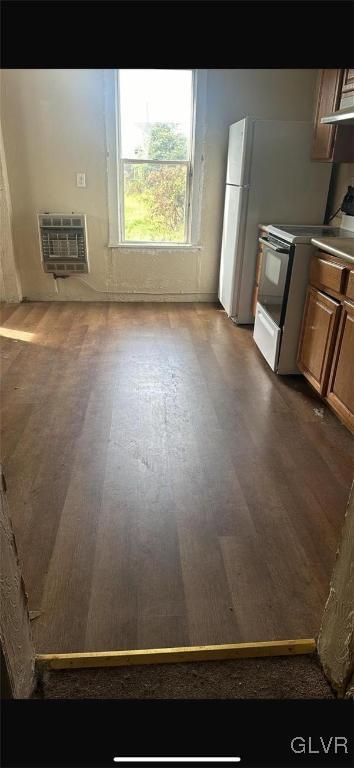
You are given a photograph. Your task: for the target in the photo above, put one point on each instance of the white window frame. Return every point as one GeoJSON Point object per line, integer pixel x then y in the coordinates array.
{"type": "Point", "coordinates": [195, 177]}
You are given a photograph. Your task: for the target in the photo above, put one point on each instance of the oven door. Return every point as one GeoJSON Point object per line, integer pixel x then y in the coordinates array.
{"type": "Point", "coordinates": [274, 280]}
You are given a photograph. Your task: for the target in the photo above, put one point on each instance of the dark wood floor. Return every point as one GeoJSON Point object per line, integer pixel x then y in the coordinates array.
{"type": "Point", "coordinates": [166, 487]}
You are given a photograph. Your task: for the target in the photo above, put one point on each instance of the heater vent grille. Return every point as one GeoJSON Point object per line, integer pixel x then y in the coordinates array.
{"type": "Point", "coordinates": [63, 243]}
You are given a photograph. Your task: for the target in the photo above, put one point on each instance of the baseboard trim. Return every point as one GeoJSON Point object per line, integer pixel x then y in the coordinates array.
{"type": "Point", "coordinates": [126, 298]}
{"type": "Point", "coordinates": [174, 655]}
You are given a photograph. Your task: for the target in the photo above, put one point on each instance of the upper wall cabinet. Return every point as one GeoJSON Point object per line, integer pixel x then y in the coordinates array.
{"type": "Point", "coordinates": [332, 143]}
{"type": "Point", "coordinates": [348, 82]}
{"type": "Point", "coordinates": [329, 89]}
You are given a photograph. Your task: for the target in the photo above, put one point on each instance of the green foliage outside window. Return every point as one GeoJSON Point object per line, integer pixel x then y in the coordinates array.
{"type": "Point", "coordinates": [155, 195]}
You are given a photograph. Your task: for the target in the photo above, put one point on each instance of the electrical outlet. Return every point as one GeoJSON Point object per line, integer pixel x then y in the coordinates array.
{"type": "Point", "coordinates": [81, 179]}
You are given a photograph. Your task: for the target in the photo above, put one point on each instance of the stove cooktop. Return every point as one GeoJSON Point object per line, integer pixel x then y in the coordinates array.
{"type": "Point", "coordinates": [302, 233]}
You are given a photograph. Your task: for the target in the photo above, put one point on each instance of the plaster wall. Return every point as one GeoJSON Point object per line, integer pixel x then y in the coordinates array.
{"type": "Point", "coordinates": [10, 288]}
{"type": "Point", "coordinates": [54, 126]}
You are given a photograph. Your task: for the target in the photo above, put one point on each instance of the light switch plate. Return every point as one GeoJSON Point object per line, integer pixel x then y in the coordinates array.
{"type": "Point", "coordinates": [81, 179]}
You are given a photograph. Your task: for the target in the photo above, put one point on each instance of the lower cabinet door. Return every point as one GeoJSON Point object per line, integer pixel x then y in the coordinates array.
{"type": "Point", "coordinates": [319, 326]}
{"type": "Point", "coordinates": [340, 394]}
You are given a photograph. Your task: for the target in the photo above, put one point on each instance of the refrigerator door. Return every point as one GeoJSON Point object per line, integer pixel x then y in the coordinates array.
{"type": "Point", "coordinates": [232, 247]}
{"type": "Point", "coordinates": [285, 186]}
{"type": "Point", "coordinates": [239, 152]}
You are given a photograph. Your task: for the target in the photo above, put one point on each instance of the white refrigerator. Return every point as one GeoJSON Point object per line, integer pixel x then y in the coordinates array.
{"type": "Point", "coordinates": [270, 179]}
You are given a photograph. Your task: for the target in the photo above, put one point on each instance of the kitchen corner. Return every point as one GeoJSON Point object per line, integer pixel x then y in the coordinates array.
{"type": "Point", "coordinates": [340, 244]}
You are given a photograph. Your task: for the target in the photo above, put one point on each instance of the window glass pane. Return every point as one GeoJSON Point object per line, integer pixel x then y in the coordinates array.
{"type": "Point", "coordinates": [155, 113]}
{"type": "Point", "coordinates": [154, 202]}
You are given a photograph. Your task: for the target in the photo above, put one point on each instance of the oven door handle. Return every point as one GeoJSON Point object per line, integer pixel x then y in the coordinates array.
{"type": "Point", "coordinates": [282, 249]}
{"type": "Point", "coordinates": [265, 323]}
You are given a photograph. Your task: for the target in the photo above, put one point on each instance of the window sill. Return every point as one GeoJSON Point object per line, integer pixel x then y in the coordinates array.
{"type": "Point", "coordinates": [156, 246]}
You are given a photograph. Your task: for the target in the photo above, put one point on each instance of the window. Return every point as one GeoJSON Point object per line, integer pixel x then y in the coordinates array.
{"type": "Point", "coordinates": [155, 108]}
{"type": "Point", "coordinates": [154, 173]}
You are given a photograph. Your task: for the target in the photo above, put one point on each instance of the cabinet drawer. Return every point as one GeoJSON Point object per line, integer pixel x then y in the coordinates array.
{"type": "Point", "coordinates": [326, 274]}
{"type": "Point", "coordinates": [350, 286]}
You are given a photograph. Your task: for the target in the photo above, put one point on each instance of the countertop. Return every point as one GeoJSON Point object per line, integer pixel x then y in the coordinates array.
{"type": "Point", "coordinates": [337, 246]}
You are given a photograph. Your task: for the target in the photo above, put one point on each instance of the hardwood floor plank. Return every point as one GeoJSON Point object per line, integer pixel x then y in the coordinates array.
{"type": "Point", "coordinates": [211, 614]}
{"type": "Point", "coordinates": [145, 594]}
{"type": "Point", "coordinates": [9, 313]}
{"type": "Point", "coordinates": [251, 587]}
{"type": "Point", "coordinates": [65, 600]}
{"type": "Point", "coordinates": [54, 468]}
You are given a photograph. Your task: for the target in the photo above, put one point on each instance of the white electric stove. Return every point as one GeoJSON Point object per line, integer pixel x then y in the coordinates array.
{"type": "Point", "coordinates": [287, 252]}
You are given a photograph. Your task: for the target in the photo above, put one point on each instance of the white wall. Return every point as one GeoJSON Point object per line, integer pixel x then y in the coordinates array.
{"type": "Point", "coordinates": [53, 122]}
{"type": "Point", "coordinates": [10, 288]}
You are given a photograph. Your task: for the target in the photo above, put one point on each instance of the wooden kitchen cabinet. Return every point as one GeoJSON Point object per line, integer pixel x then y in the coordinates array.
{"type": "Point", "coordinates": [332, 143]}
{"type": "Point", "coordinates": [317, 339]}
{"type": "Point", "coordinates": [261, 231]}
{"type": "Point", "coordinates": [329, 90]}
{"type": "Point", "coordinates": [256, 285]}
{"type": "Point", "coordinates": [340, 394]}
{"type": "Point", "coordinates": [350, 286]}
{"type": "Point", "coordinates": [326, 349]}
{"type": "Point", "coordinates": [348, 81]}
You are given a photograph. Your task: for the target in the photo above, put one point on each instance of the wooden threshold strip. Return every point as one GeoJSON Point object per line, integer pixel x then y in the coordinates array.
{"type": "Point", "coordinates": [173, 655]}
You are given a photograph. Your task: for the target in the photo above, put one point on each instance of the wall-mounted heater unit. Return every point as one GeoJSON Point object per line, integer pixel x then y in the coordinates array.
{"type": "Point", "coordinates": [63, 242]}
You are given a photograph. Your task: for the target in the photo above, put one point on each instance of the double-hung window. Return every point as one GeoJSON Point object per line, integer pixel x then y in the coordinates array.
{"type": "Point", "coordinates": [155, 150]}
